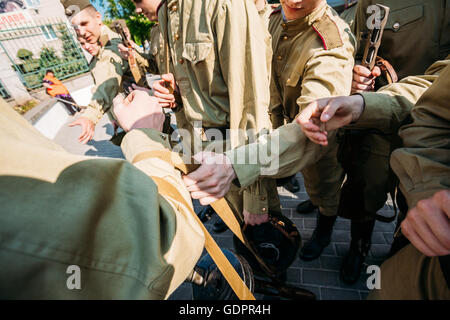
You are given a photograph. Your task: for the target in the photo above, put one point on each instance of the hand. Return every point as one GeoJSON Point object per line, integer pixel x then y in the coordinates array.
{"type": "Point", "coordinates": [87, 129]}
{"type": "Point", "coordinates": [364, 79]}
{"type": "Point", "coordinates": [124, 51]}
{"type": "Point", "coordinates": [255, 219]}
{"type": "Point", "coordinates": [212, 180]}
{"type": "Point", "coordinates": [329, 114]}
{"type": "Point", "coordinates": [166, 99]}
{"type": "Point", "coordinates": [138, 110]}
{"type": "Point", "coordinates": [427, 225]}
{"type": "Point", "coordinates": [136, 87]}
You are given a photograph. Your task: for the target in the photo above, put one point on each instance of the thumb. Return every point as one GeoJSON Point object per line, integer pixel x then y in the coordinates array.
{"type": "Point", "coordinates": [329, 111]}
{"type": "Point", "coordinates": [75, 123]}
{"type": "Point", "coordinates": [306, 114]}
{"type": "Point", "coordinates": [376, 71]}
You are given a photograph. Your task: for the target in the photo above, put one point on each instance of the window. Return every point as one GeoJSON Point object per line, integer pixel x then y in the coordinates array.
{"type": "Point", "coordinates": [33, 3]}
{"type": "Point", "coordinates": [49, 32]}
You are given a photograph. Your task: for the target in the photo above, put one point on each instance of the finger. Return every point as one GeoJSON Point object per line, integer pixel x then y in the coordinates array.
{"type": "Point", "coordinates": [358, 87]}
{"type": "Point", "coordinates": [422, 228]}
{"type": "Point", "coordinates": [158, 87]}
{"type": "Point", "coordinates": [208, 200]}
{"type": "Point", "coordinates": [416, 240]}
{"type": "Point", "coordinates": [318, 138]}
{"type": "Point", "coordinates": [75, 123]}
{"type": "Point", "coordinates": [376, 71]}
{"type": "Point", "coordinates": [443, 201]}
{"type": "Point", "coordinates": [205, 194]}
{"type": "Point", "coordinates": [84, 134]}
{"type": "Point", "coordinates": [329, 111]}
{"type": "Point", "coordinates": [361, 71]}
{"type": "Point", "coordinates": [167, 97]}
{"type": "Point", "coordinates": [310, 127]}
{"type": "Point", "coordinates": [362, 80]}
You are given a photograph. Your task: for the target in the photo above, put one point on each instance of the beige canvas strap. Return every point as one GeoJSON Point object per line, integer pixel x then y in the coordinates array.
{"type": "Point", "coordinates": [234, 280]}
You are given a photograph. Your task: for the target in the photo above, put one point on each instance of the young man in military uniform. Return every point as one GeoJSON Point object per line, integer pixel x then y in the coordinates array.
{"type": "Point", "coordinates": [101, 221]}
{"type": "Point", "coordinates": [312, 58]}
{"type": "Point", "coordinates": [422, 166]}
{"type": "Point", "coordinates": [107, 67]}
{"type": "Point", "coordinates": [216, 59]}
{"type": "Point", "coordinates": [369, 177]}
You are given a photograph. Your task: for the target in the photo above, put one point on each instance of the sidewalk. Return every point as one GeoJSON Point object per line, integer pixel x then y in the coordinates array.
{"type": "Point", "coordinates": [320, 276]}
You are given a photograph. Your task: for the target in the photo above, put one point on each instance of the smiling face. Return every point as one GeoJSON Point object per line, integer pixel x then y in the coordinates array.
{"type": "Point", "coordinates": [88, 24]}
{"type": "Point", "coordinates": [296, 9]}
{"type": "Point", "coordinates": [148, 8]}
{"type": "Point", "coordinates": [92, 48]}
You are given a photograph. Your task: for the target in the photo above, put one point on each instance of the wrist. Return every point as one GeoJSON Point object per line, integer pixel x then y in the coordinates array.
{"type": "Point", "coordinates": [358, 107]}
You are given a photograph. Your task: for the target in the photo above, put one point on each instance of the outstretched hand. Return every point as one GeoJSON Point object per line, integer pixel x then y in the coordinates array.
{"type": "Point", "coordinates": [87, 129]}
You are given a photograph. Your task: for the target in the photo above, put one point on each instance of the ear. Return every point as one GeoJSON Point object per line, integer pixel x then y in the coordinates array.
{"type": "Point", "coordinates": [98, 16]}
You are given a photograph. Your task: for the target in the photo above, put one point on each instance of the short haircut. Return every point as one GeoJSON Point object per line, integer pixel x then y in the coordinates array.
{"type": "Point", "coordinates": [48, 71]}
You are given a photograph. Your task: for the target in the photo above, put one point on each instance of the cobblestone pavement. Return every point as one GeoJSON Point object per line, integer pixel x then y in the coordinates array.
{"type": "Point", "coordinates": [321, 276]}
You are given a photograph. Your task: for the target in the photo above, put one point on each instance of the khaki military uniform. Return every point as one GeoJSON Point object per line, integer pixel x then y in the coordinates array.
{"type": "Point", "coordinates": [423, 168]}
{"type": "Point", "coordinates": [313, 58]}
{"type": "Point", "coordinates": [103, 215]}
{"type": "Point", "coordinates": [214, 49]}
{"type": "Point", "coordinates": [416, 34]}
{"type": "Point", "coordinates": [349, 14]}
{"type": "Point", "coordinates": [371, 179]}
{"type": "Point", "coordinates": [107, 69]}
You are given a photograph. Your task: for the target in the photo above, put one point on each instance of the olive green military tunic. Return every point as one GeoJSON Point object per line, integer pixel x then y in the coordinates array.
{"type": "Point", "coordinates": [104, 216]}
{"type": "Point", "coordinates": [288, 150]}
{"type": "Point", "coordinates": [218, 52]}
{"type": "Point", "coordinates": [312, 59]}
{"type": "Point", "coordinates": [423, 168]}
{"type": "Point", "coordinates": [107, 69]}
{"type": "Point", "coordinates": [416, 35]}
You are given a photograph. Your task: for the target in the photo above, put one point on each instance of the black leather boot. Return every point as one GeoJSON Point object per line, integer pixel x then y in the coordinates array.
{"type": "Point", "coordinates": [320, 238]}
{"type": "Point", "coordinates": [306, 207]}
{"type": "Point", "coordinates": [359, 248]}
{"type": "Point", "coordinates": [292, 185]}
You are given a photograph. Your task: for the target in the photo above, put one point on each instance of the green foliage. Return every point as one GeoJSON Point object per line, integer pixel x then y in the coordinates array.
{"type": "Point", "coordinates": [138, 24]}
{"type": "Point", "coordinates": [48, 57]}
{"type": "Point", "coordinates": [24, 54]}
{"type": "Point", "coordinates": [22, 108]}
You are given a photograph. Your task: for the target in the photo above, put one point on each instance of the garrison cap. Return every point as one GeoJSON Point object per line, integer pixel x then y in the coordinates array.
{"type": "Point", "coordinates": [72, 7]}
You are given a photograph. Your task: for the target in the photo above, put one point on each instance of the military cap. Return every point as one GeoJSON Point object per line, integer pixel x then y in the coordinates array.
{"type": "Point", "coordinates": [122, 22]}
{"type": "Point", "coordinates": [72, 7]}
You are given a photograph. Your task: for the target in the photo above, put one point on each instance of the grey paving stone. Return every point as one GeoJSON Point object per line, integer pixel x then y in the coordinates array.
{"type": "Point", "coordinates": [384, 227]}
{"type": "Point", "coordinates": [341, 249]}
{"type": "Point", "coordinates": [342, 224]}
{"type": "Point", "coordinates": [340, 236]}
{"type": "Point", "coordinates": [339, 294]}
{"type": "Point", "coordinates": [320, 277]}
{"type": "Point", "coordinates": [293, 275]}
{"type": "Point", "coordinates": [331, 262]}
{"type": "Point", "coordinates": [389, 237]}
{"type": "Point", "coordinates": [379, 251]}
{"type": "Point", "coordinates": [378, 238]}
{"type": "Point", "coordinates": [310, 222]}
{"type": "Point", "coordinates": [313, 264]}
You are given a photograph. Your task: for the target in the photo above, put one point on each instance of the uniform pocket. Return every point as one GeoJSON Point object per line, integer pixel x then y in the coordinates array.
{"type": "Point", "coordinates": [293, 79]}
{"type": "Point", "coordinates": [403, 17]}
{"type": "Point", "coordinates": [196, 52]}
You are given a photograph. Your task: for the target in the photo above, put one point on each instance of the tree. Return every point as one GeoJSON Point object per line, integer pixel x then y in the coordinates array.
{"type": "Point", "coordinates": [125, 9]}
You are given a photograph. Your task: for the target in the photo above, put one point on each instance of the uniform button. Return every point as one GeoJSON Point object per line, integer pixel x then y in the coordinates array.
{"type": "Point", "coordinates": [263, 209]}
{"type": "Point", "coordinates": [285, 38]}
{"type": "Point", "coordinates": [263, 198]}
{"type": "Point", "coordinates": [284, 26]}
{"type": "Point", "coordinates": [174, 8]}
{"type": "Point", "coordinates": [177, 36]}
{"type": "Point", "coordinates": [396, 26]}
{"type": "Point", "coordinates": [279, 57]}
{"type": "Point", "coordinates": [181, 60]}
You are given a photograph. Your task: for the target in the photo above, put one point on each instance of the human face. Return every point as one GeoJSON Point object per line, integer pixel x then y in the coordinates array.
{"type": "Point", "coordinates": [148, 8]}
{"type": "Point", "coordinates": [88, 25]}
{"type": "Point", "coordinates": [296, 9]}
{"type": "Point", "coordinates": [92, 48]}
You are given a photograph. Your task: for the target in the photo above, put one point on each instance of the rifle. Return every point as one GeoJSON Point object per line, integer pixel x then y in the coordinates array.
{"type": "Point", "coordinates": [131, 58]}
{"type": "Point", "coordinates": [370, 57]}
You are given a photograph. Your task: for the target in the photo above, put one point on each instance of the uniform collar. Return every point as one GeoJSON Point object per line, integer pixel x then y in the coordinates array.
{"type": "Point", "coordinates": [106, 34]}
{"type": "Point", "coordinates": [307, 21]}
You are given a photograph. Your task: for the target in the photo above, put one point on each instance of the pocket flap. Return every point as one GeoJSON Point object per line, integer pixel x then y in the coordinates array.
{"type": "Point", "coordinates": [196, 52]}
{"type": "Point", "coordinates": [402, 17]}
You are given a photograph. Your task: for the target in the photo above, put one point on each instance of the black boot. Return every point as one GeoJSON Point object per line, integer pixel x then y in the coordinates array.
{"type": "Point", "coordinates": [359, 248]}
{"type": "Point", "coordinates": [320, 238]}
{"type": "Point", "coordinates": [306, 207]}
{"type": "Point", "coordinates": [292, 185]}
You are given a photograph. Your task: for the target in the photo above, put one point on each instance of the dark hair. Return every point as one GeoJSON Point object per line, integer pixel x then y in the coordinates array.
{"type": "Point", "coordinates": [48, 71]}
{"type": "Point", "coordinates": [137, 1]}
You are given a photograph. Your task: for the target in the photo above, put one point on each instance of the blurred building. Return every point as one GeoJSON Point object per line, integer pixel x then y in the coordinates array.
{"type": "Point", "coordinates": [35, 36]}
